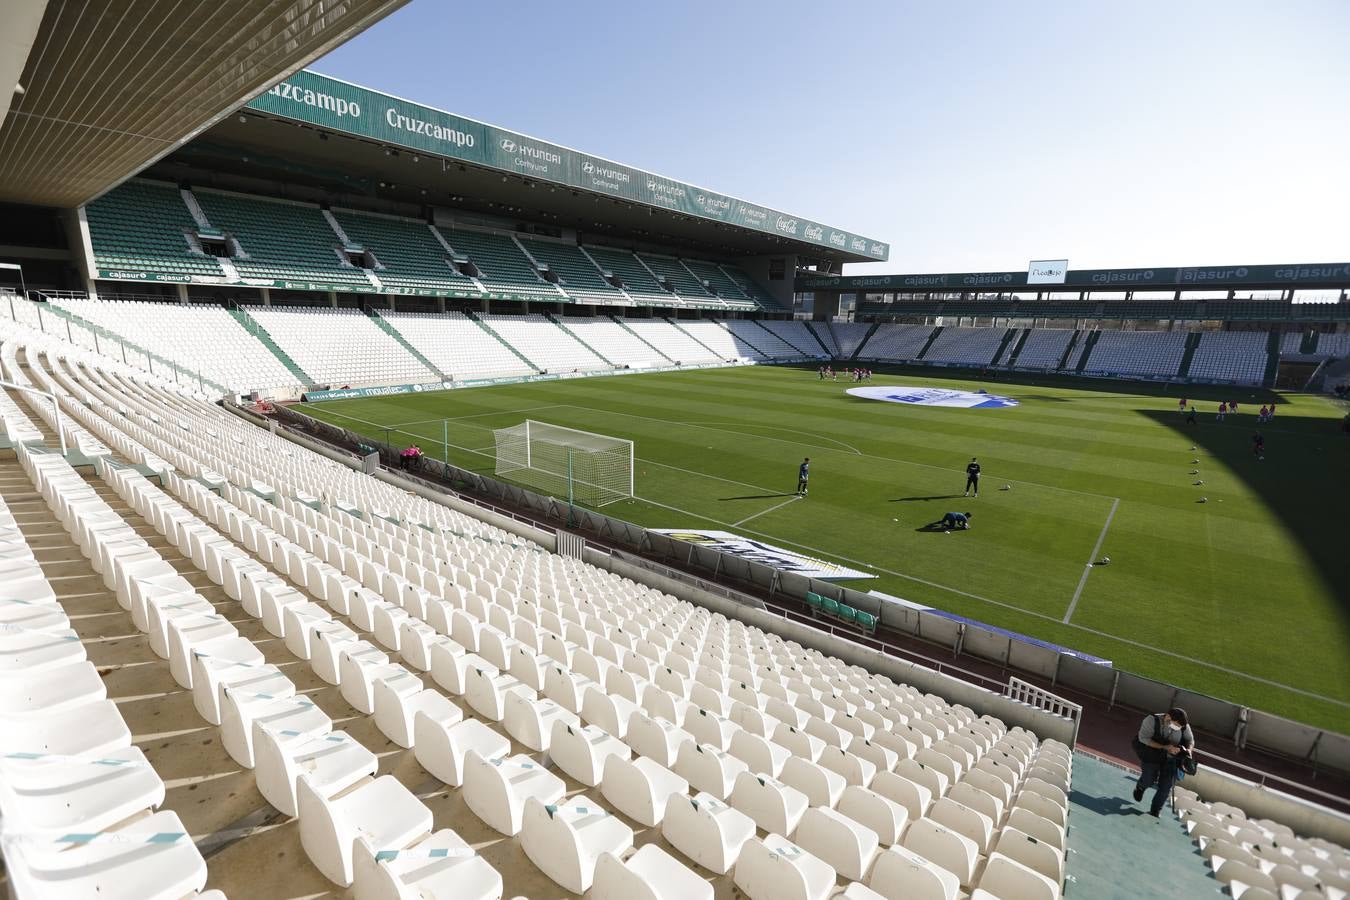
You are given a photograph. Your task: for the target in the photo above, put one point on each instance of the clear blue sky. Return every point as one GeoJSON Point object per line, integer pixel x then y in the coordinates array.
{"type": "Point", "coordinates": [971, 136]}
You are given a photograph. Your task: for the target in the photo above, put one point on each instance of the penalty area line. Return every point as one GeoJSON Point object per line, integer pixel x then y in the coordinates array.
{"type": "Point", "coordinates": [765, 512]}
{"type": "Point", "coordinates": [1082, 582]}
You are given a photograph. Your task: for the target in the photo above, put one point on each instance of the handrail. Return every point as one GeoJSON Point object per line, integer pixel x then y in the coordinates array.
{"type": "Point", "coordinates": [56, 405]}
{"type": "Point", "coordinates": [1262, 777]}
{"type": "Point", "coordinates": [100, 331]}
{"type": "Point", "coordinates": [1026, 692]}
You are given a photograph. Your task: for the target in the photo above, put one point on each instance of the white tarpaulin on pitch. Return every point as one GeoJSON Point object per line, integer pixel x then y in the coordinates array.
{"type": "Point", "coordinates": [931, 396]}
{"type": "Point", "coordinates": [762, 553]}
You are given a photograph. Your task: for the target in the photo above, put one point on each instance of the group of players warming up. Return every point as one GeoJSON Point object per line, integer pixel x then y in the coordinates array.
{"type": "Point", "coordinates": [959, 521]}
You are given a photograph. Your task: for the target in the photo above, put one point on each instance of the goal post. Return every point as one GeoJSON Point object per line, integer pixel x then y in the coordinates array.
{"type": "Point", "coordinates": [592, 469]}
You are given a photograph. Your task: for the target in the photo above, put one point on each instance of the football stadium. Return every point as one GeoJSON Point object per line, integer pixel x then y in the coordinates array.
{"type": "Point", "coordinates": [397, 505]}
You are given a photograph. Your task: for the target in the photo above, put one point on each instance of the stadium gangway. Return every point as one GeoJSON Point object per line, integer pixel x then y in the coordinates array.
{"type": "Point", "coordinates": [56, 406]}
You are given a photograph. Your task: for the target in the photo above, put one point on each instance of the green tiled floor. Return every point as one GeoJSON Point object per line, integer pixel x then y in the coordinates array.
{"type": "Point", "coordinates": [1117, 850]}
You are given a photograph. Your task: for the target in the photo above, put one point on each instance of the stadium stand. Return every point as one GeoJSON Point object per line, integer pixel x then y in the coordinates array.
{"type": "Point", "coordinates": [501, 264]}
{"type": "Point", "coordinates": [145, 225]}
{"type": "Point", "coordinates": [751, 288]}
{"type": "Point", "coordinates": [577, 273]}
{"type": "Point", "coordinates": [1258, 857]}
{"type": "Point", "coordinates": [1231, 356]}
{"type": "Point", "coordinates": [200, 337]}
{"type": "Point", "coordinates": [678, 276]}
{"type": "Point", "coordinates": [1044, 348]}
{"type": "Point", "coordinates": [410, 258]}
{"type": "Point", "coordinates": [769, 342]}
{"type": "Point", "coordinates": [724, 339]}
{"type": "Point", "coordinates": [451, 591]}
{"type": "Point", "coordinates": [637, 280]}
{"type": "Point", "coordinates": [849, 336]}
{"type": "Point", "coordinates": [341, 346]}
{"type": "Point", "coordinates": [278, 240]}
{"type": "Point", "coordinates": [457, 346]}
{"type": "Point", "coordinates": [614, 342]}
{"type": "Point", "coordinates": [721, 283]}
{"type": "Point", "coordinates": [896, 342]}
{"type": "Point", "coordinates": [967, 346]}
{"type": "Point", "coordinates": [672, 342]}
{"type": "Point", "coordinates": [797, 336]}
{"type": "Point", "coordinates": [1148, 353]}
{"type": "Point", "coordinates": [543, 343]}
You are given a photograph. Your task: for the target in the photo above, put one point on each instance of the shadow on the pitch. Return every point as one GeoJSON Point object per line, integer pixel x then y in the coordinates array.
{"type": "Point", "coordinates": [761, 496]}
{"type": "Point", "coordinates": [934, 497]}
{"type": "Point", "coordinates": [935, 527]}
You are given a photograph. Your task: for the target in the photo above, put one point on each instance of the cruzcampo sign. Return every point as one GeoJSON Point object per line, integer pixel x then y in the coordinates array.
{"type": "Point", "coordinates": [343, 107]}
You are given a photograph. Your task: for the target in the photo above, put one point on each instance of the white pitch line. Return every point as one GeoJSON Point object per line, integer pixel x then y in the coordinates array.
{"type": "Point", "coordinates": [1073, 604]}
{"type": "Point", "coordinates": [767, 511]}
{"type": "Point", "coordinates": [955, 473]}
{"type": "Point", "coordinates": [1038, 615]}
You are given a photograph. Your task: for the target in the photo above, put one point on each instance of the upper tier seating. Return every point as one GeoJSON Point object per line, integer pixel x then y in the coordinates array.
{"type": "Point", "coordinates": [614, 342]}
{"type": "Point", "coordinates": [675, 344]}
{"type": "Point", "coordinates": [281, 241]}
{"type": "Point", "coordinates": [637, 280]}
{"type": "Point", "coordinates": [457, 345]}
{"type": "Point", "coordinates": [341, 346]}
{"type": "Point", "coordinates": [970, 346]}
{"type": "Point", "coordinates": [751, 288]}
{"type": "Point", "coordinates": [410, 258]}
{"type": "Point", "coordinates": [142, 226]}
{"type": "Point", "coordinates": [545, 344]}
{"type": "Point", "coordinates": [689, 287]}
{"type": "Point", "coordinates": [1237, 356]}
{"type": "Point", "coordinates": [577, 275]}
{"type": "Point", "coordinates": [199, 337]}
{"type": "Point", "coordinates": [1044, 348]}
{"type": "Point", "coordinates": [502, 265]}
{"type": "Point", "coordinates": [721, 283]}
{"type": "Point", "coordinates": [1156, 353]}
{"type": "Point", "coordinates": [896, 342]}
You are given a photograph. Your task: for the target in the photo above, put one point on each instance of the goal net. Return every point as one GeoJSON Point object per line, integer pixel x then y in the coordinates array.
{"type": "Point", "coordinates": [598, 468]}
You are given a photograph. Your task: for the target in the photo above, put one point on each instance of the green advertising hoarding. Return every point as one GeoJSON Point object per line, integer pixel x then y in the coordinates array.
{"type": "Point", "coordinates": [1186, 278]}
{"type": "Point", "coordinates": [343, 107]}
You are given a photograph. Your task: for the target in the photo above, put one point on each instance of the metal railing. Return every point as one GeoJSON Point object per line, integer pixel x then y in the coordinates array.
{"type": "Point", "coordinates": [1040, 698]}
{"type": "Point", "coordinates": [54, 320]}
{"type": "Point", "coordinates": [56, 407]}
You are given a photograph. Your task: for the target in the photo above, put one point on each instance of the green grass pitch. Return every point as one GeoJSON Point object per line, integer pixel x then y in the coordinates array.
{"type": "Point", "coordinates": [1243, 597]}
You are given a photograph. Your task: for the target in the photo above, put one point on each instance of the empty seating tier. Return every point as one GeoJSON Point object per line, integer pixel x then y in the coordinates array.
{"type": "Point", "coordinates": [1231, 356]}
{"type": "Point", "coordinates": [546, 345]}
{"type": "Point", "coordinates": [410, 259]}
{"type": "Point", "coordinates": [143, 226]}
{"type": "Point", "coordinates": [967, 346]}
{"type": "Point", "coordinates": [1155, 353]}
{"type": "Point", "coordinates": [341, 346]}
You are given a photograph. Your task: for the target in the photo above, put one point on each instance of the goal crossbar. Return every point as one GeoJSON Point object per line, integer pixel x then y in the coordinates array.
{"type": "Point", "coordinates": [592, 468]}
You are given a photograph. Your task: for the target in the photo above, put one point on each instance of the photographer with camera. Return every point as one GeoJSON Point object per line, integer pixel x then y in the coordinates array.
{"type": "Point", "coordinates": [1165, 742]}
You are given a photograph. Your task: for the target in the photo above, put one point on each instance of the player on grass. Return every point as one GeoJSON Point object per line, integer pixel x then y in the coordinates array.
{"type": "Point", "coordinates": [958, 520]}
{"type": "Point", "coordinates": [803, 475]}
{"type": "Point", "coordinates": [972, 478]}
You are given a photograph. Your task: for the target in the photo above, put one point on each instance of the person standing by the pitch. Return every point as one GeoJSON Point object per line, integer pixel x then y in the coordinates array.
{"type": "Point", "coordinates": [803, 475]}
{"type": "Point", "coordinates": [972, 478]}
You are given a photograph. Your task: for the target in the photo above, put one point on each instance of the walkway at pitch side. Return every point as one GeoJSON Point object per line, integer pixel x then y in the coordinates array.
{"type": "Point", "coordinates": [1117, 851]}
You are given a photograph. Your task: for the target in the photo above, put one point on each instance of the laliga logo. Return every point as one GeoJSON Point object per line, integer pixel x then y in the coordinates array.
{"type": "Point", "coordinates": [814, 232]}
{"type": "Point", "coordinates": [508, 145]}
{"type": "Point", "coordinates": [786, 225]}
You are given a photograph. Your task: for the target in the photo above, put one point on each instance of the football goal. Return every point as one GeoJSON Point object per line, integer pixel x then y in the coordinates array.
{"type": "Point", "coordinates": [587, 468]}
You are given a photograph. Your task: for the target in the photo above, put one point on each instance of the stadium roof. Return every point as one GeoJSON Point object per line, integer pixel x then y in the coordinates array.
{"type": "Point", "coordinates": [358, 138]}
{"type": "Point", "coordinates": [1292, 275]}
{"type": "Point", "coordinates": [109, 87]}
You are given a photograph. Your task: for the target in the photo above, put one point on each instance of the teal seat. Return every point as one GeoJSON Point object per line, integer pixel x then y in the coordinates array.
{"type": "Point", "coordinates": [848, 613]}
{"type": "Point", "coordinates": [867, 622]}
{"type": "Point", "coordinates": [815, 601]}
{"type": "Point", "coordinates": [829, 606]}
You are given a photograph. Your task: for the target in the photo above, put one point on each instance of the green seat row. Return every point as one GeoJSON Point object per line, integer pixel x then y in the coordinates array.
{"type": "Point", "coordinates": [845, 613]}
